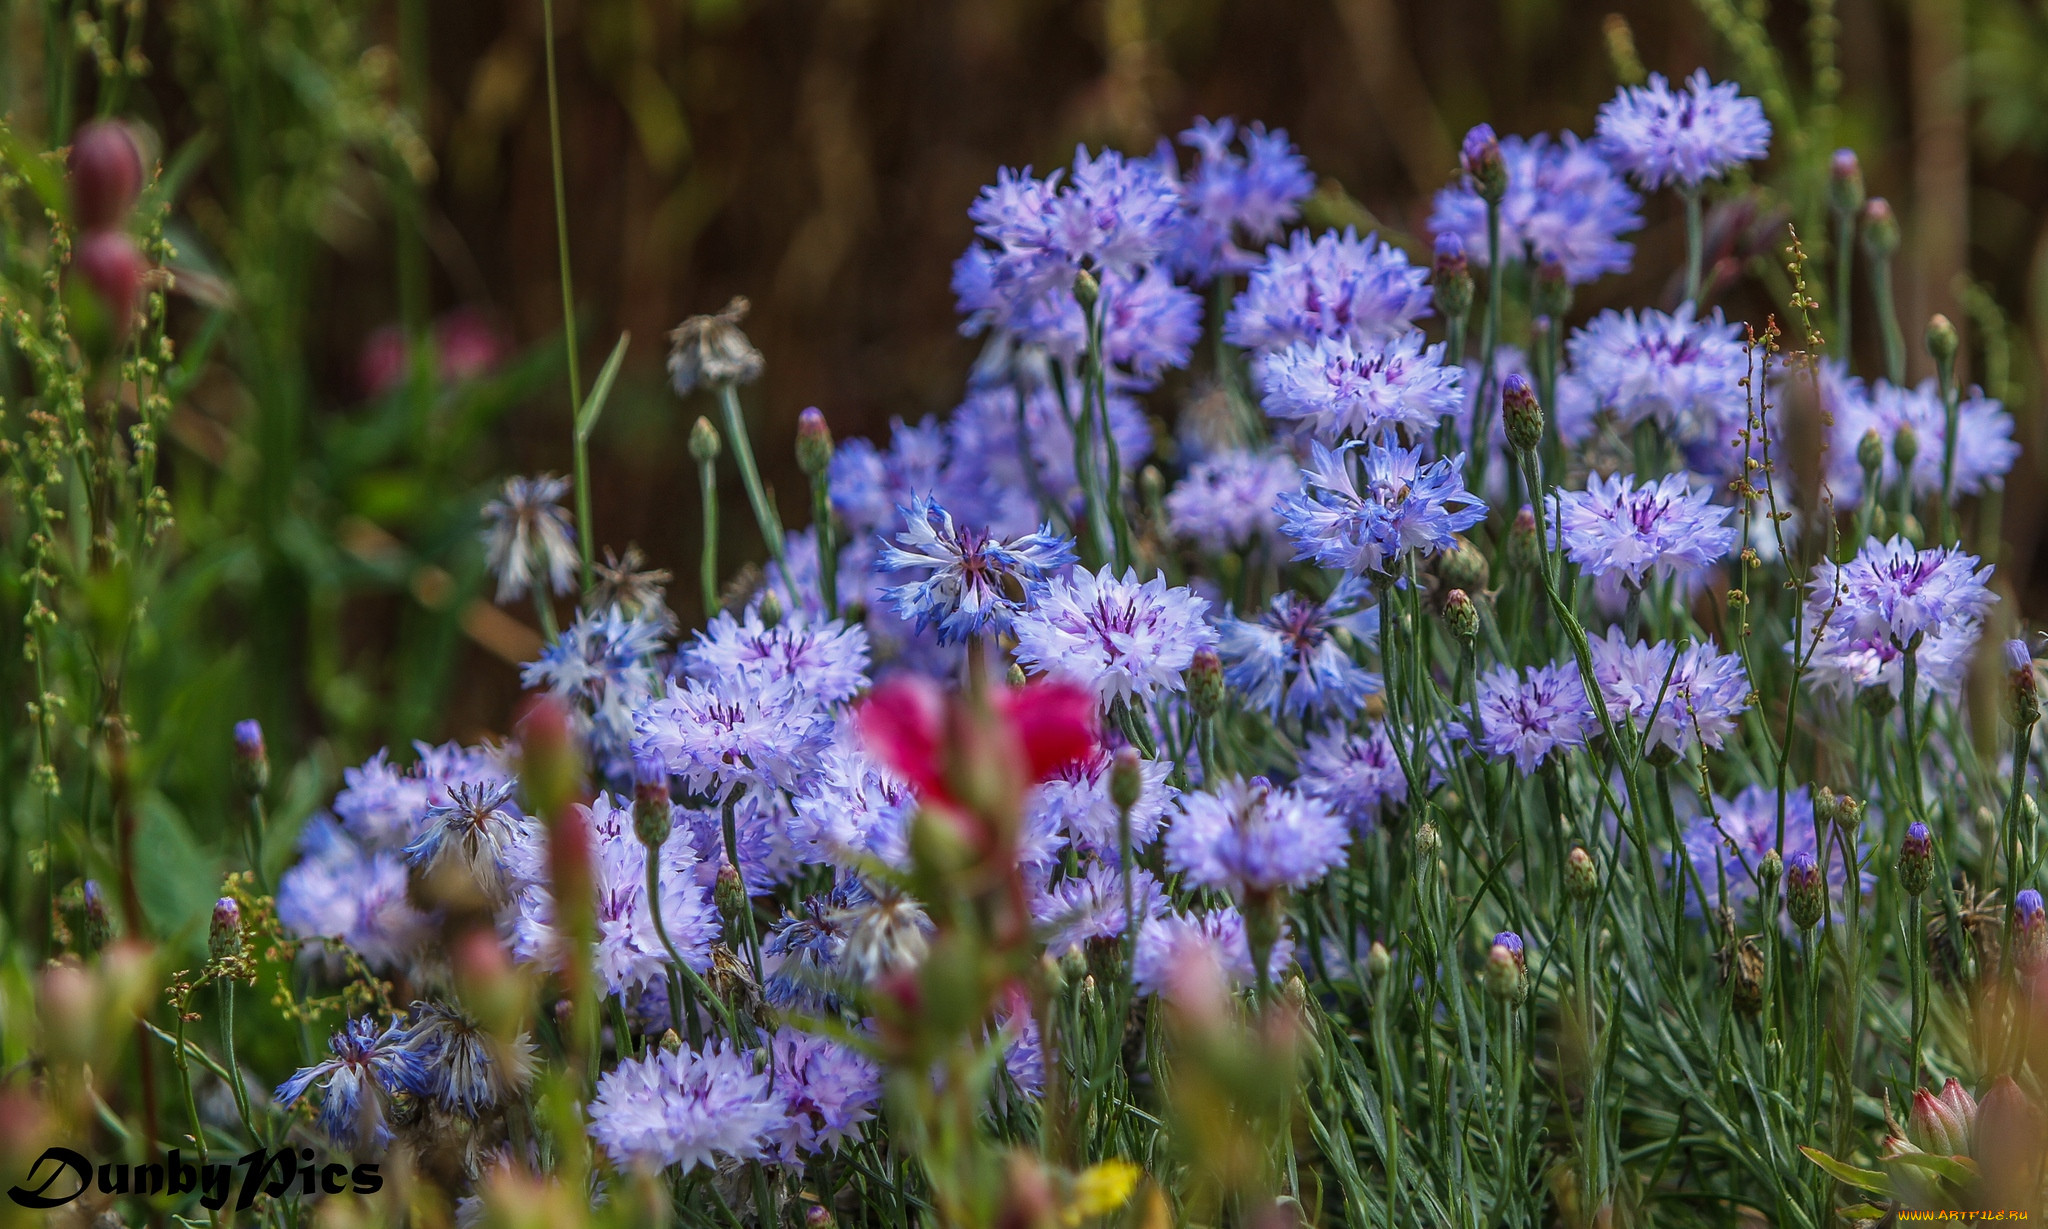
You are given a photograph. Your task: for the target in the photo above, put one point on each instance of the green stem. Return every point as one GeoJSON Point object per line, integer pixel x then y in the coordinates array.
{"type": "Point", "coordinates": [1845, 263]}
{"type": "Point", "coordinates": [828, 546]}
{"type": "Point", "coordinates": [707, 565]}
{"type": "Point", "coordinates": [227, 1048]}
{"type": "Point", "coordinates": [1695, 244]}
{"type": "Point", "coordinates": [568, 286]}
{"type": "Point", "coordinates": [1888, 319]}
{"type": "Point", "coordinates": [743, 455]}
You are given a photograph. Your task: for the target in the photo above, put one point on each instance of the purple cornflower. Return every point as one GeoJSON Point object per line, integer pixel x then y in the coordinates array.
{"type": "Point", "coordinates": [385, 807]}
{"type": "Point", "coordinates": [1747, 830]}
{"type": "Point", "coordinates": [1011, 466]}
{"type": "Point", "coordinates": [826, 1089]}
{"type": "Point", "coordinates": [1562, 198]}
{"type": "Point", "coordinates": [1357, 775]}
{"type": "Point", "coordinates": [1149, 323]}
{"type": "Point", "coordinates": [1985, 449]}
{"type": "Point", "coordinates": [685, 1108]}
{"type": "Point", "coordinates": [341, 890]}
{"type": "Point", "coordinates": [1339, 388]}
{"type": "Point", "coordinates": [868, 485]}
{"type": "Point", "coordinates": [1075, 801]}
{"type": "Point", "coordinates": [1249, 838]}
{"type": "Point", "coordinates": [1615, 526]}
{"type": "Point", "coordinates": [478, 831]}
{"type": "Point", "coordinates": [527, 537]}
{"type": "Point", "coordinates": [1226, 194]}
{"type": "Point", "coordinates": [601, 668]}
{"type": "Point", "coordinates": [465, 1068]}
{"type": "Point", "coordinates": [804, 954]}
{"type": "Point", "coordinates": [1532, 715]}
{"type": "Point", "coordinates": [851, 808]}
{"type": "Point", "coordinates": [1677, 704]}
{"type": "Point", "coordinates": [1683, 371]}
{"type": "Point", "coordinates": [1685, 136]}
{"type": "Point", "coordinates": [1123, 638]}
{"type": "Point", "coordinates": [1394, 503]}
{"type": "Point", "coordinates": [978, 581]}
{"type": "Point", "coordinates": [1089, 907]}
{"type": "Point", "coordinates": [1896, 591]}
{"type": "Point", "coordinates": [1332, 286]}
{"type": "Point", "coordinates": [1178, 951]}
{"type": "Point", "coordinates": [1226, 502]}
{"type": "Point", "coordinates": [630, 956]}
{"type": "Point", "coordinates": [829, 660]}
{"type": "Point", "coordinates": [725, 734]}
{"type": "Point", "coordinates": [1292, 660]}
{"type": "Point", "coordinates": [369, 1067]}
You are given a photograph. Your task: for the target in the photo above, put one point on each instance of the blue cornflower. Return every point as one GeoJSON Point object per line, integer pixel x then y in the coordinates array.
{"type": "Point", "coordinates": [1182, 956]}
{"type": "Point", "coordinates": [868, 485]}
{"type": "Point", "coordinates": [826, 1089]}
{"type": "Point", "coordinates": [1292, 660]}
{"type": "Point", "coordinates": [1089, 907]}
{"type": "Point", "coordinates": [803, 956]}
{"type": "Point", "coordinates": [1685, 136]}
{"type": "Point", "coordinates": [1985, 450]}
{"type": "Point", "coordinates": [385, 806]}
{"type": "Point", "coordinates": [685, 1108]}
{"type": "Point", "coordinates": [479, 832]}
{"type": "Point", "coordinates": [1747, 829]}
{"type": "Point", "coordinates": [1339, 388]}
{"type": "Point", "coordinates": [369, 1067]}
{"type": "Point", "coordinates": [851, 808]}
{"type": "Point", "coordinates": [341, 890]}
{"type": "Point", "coordinates": [1075, 802]}
{"type": "Point", "coordinates": [601, 668]}
{"type": "Point", "coordinates": [467, 1069]}
{"type": "Point", "coordinates": [1227, 502]}
{"type": "Point", "coordinates": [1615, 526]}
{"type": "Point", "coordinates": [1356, 775]}
{"type": "Point", "coordinates": [1149, 322]}
{"type": "Point", "coordinates": [1249, 838]}
{"type": "Point", "coordinates": [1681, 370]}
{"type": "Point", "coordinates": [1009, 461]}
{"type": "Point", "coordinates": [1563, 198]}
{"type": "Point", "coordinates": [1394, 504]}
{"type": "Point", "coordinates": [1894, 590]}
{"type": "Point", "coordinates": [1227, 194]}
{"type": "Point", "coordinates": [1674, 704]}
{"type": "Point", "coordinates": [1337, 285]}
{"type": "Point", "coordinates": [978, 581]}
{"type": "Point", "coordinates": [1121, 637]}
{"type": "Point", "coordinates": [527, 537]}
{"type": "Point", "coordinates": [827, 659]}
{"type": "Point", "coordinates": [1532, 715]}
{"type": "Point", "coordinates": [723, 734]}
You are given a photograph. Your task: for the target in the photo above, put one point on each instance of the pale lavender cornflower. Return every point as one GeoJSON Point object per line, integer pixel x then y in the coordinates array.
{"type": "Point", "coordinates": [827, 659]}
{"type": "Point", "coordinates": [826, 1089]}
{"type": "Point", "coordinates": [1364, 520]}
{"type": "Point", "coordinates": [385, 806]}
{"type": "Point", "coordinates": [1675, 704]}
{"type": "Point", "coordinates": [724, 734]}
{"type": "Point", "coordinates": [1682, 137]}
{"type": "Point", "coordinates": [851, 808]}
{"type": "Point", "coordinates": [629, 956]}
{"type": "Point", "coordinates": [1010, 467]}
{"type": "Point", "coordinates": [1089, 907]}
{"type": "Point", "coordinates": [1075, 801]}
{"type": "Point", "coordinates": [1562, 198]}
{"type": "Point", "coordinates": [1228, 194]}
{"type": "Point", "coordinates": [1337, 285]}
{"type": "Point", "coordinates": [1294, 658]}
{"type": "Point", "coordinates": [479, 831]}
{"type": "Point", "coordinates": [1746, 831]}
{"type": "Point", "coordinates": [685, 1108]}
{"type": "Point", "coordinates": [340, 889]}
{"type": "Point", "coordinates": [869, 485]}
{"type": "Point", "coordinates": [1357, 775]}
{"type": "Point", "coordinates": [1339, 388]}
{"type": "Point", "coordinates": [527, 537]}
{"type": "Point", "coordinates": [1172, 944]}
{"type": "Point", "coordinates": [1680, 370]}
{"type": "Point", "coordinates": [466, 1068]}
{"type": "Point", "coordinates": [761, 827]}
{"type": "Point", "coordinates": [601, 668]}
{"type": "Point", "coordinates": [1531, 715]}
{"type": "Point", "coordinates": [1889, 599]}
{"type": "Point", "coordinates": [1149, 322]}
{"type": "Point", "coordinates": [978, 581]}
{"type": "Point", "coordinates": [1250, 838]}
{"type": "Point", "coordinates": [1123, 638]}
{"type": "Point", "coordinates": [1984, 454]}
{"type": "Point", "coordinates": [370, 1066]}
{"type": "Point", "coordinates": [1614, 526]}
{"type": "Point", "coordinates": [1227, 502]}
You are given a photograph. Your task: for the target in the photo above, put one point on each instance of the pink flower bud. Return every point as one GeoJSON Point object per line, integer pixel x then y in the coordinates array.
{"type": "Point", "coordinates": [106, 175]}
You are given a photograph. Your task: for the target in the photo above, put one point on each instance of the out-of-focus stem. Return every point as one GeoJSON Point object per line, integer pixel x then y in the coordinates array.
{"type": "Point", "coordinates": [743, 455]}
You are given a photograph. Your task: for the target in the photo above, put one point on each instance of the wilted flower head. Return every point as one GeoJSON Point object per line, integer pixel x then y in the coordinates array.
{"type": "Point", "coordinates": [711, 350]}
{"type": "Point", "coordinates": [1117, 636]}
{"type": "Point", "coordinates": [1249, 838]}
{"type": "Point", "coordinates": [369, 1067]}
{"type": "Point", "coordinates": [1362, 519]}
{"type": "Point", "coordinates": [1668, 528]}
{"type": "Point", "coordinates": [978, 581]}
{"type": "Point", "coordinates": [527, 537]}
{"type": "Point", "coordinates": [479, 831]}
{"type": "Point", "coordinates": [466, 1069]}
{"type": "Point", "coordinates": [1684, 136]}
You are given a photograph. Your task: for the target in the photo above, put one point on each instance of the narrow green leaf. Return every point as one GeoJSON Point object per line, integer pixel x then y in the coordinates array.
{"type": "Point", "coordinates": [1957, 1169]}
{"type": "Point", "coordinates": [1866, 1179]}
{"type": "Point", "coordinates": [1863, 1211]}
{"type": "Point", "coordinates": [593, 405]}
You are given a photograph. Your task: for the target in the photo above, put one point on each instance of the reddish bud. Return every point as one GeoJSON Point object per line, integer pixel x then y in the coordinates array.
{"type": "Point", "coordinates": [110, 263]}
{"type": "Point", "coordinates": [106, 175]}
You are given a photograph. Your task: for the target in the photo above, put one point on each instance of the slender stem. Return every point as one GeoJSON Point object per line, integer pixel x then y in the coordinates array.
{"type": "Point", "coordinates": [707, 565]}
{"type": "Point", "coordinates": [743, 455]}
{"type": "Point", "coordinates": [568, 286]}
{"type": "Point", "coordinates": [1888, 319]}
{"type": "Point", "coordinates": [1695, 243]}
{"type": "Point", "coordinates": [828, 546]}
{"type": "Point", "coordinates": [226, 986]}
{"type": "Point", "coordinates": [1951, 405]}
{"type": "Point", "coordinates": [1845, 264]}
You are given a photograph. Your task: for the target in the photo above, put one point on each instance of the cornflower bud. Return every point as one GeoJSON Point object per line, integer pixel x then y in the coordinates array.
{"type": "Point", "coordinates": [1205, 683]}
{"type": "Point", "coordinates": [1880, 229]}
{"type": "Point", "coordinates": [224, 933]}
{"type": "Point", "coordinates": [106, 175]}
{"type": "Point", "coordinates": [1461, 616]}
{"type": "Point", "coordinates": [1581, 877]}
{"type": "Point", "coordinates": [1463, 566]}
{"type": "Point", "coordinates": [1427, 841]}
{"type": "Point", "coordinates": [252, 762]}
{"type": "Point", "coordinates": [1451, 278]}
{"type": "Point", "coordinates": [1378, 960]}
{"type": "Point", "coordinates": [1941, 340]}
{"type": "Point", "coordinates": [670, 1042]}
{"type": "Point", "coordinates": [1550, 293]}
{"type": "Point", "coordinates": [1805, 891]}
{"type": "Point", "coordinates": [813, 442]}
{"type": "Point", "coordinates": [1525, 550]}
{"type": "Point", "coordinates": [1086, 290]}
{"type": "Point", "coordinates": [2030, 926]}
{"type": "Point", "coordinates": [817, 1216]}
{"type": "Point", "coordinates": [704, 441]}
{"type": "Point", "coordinates": [1126, 779]}
{"type": "Point", "coordinates": [1015, 675]}
{"type": "Point", "coordinates": [1845, 182]}
{"type": "Point", "coordinates": [1521, 417]}
{"type": "Point", "coordinates": [1916, 860]}
{"type": "Point", "coordinates": [1507, 970]}
{"type": "Point", "coordinates": [771, 609]}
{"type": "Point", "coordinates": [653, 813]}
{"type": "Point", "coordinates": [2023, 685]}
{"type": "Point", "coordinates": [1870, 451]}
{"type": "Point", "coordinates": [1152, 487]}
{"type": "Point", "coordinates": [1480, 157]}
{"type": "Point", "coordinates": [98, 925]}
{"type": "Point", "coordinates": [1906, 447]}
{"type": "Point", "coordinates": [712, 350]}
{"type": "Point", "coordinates": [1769, 871]}
{"type": "Point", "coordinates": [1838, 810]}
{"type": "Point", "coordinates": [729, 892]}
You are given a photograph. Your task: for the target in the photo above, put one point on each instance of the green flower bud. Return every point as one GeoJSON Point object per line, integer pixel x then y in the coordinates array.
{"type": "Point", "coordinates": [1941, 340]}
{"type": "Point", "coordinates": [1377, 960]}
{"type": "Point", "coordinates": [704, 441]}
{"type": "Point", "coordinates": [1805, 890]}
{"type": "Point", "coordinates": [224, 934]}
{"type": "Point", "coordinates": [1463, 566]}
{"type": "Point", "coordinates": [1524, 554]}
{"type": "Point", "coordinates": [1522, 418]}
{"type": "Point", "coordinates": [771, 609]}
{"type": "Point", "coordinates": [653, 813]}
{"type": "Point", "coordinates": [1461, 616]}
{"type": "Point", "coordinates": [813, 443]}
{"type": "Point", "coordinates": [1086, 290]}
{"type": "Point", "coordinates": [1427, 842]}
{"type": "Point", "coordinates": [1845, 183]}
{"type": "Point", "coordinates": [1880, 229]}
{"type": "Point", "coordinates": [1126, 779]}
{"type": "Point", "coordinates": [729, 892]}
{"type": "Point", "coordinates": [1906, 447]}
{"type": "Point", "coordinates": [1870, 451]}
{"type": "Point", "coordinates": [1916, 860]}
{"type": "Point", "coordinates": [1205, 683]}
{"type": "Point", "coordinates": [1451, 278]}
{"type": "Point", "coordinates": [1581, 877]}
